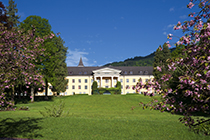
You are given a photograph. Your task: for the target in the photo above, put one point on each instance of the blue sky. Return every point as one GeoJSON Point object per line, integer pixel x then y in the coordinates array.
{"type": "Point", "coordinates": [103, 31]}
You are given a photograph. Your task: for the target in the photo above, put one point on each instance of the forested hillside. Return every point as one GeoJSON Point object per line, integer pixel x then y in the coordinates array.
{"type": "Point", "coordinates": [137, 61]}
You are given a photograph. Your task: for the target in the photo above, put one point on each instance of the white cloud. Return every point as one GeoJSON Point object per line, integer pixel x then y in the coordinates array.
{"type": "Point", "coordinates": [73, 57]}
{"type": "Point", "coordinates": [89, 42]}
{"type": "Point", "coordinates": [183, 17]}
{"type": "Point", "coordinates": [115, 28]}
{"type": "Point", "coordinates": [171, 9]}
{"type": "Point", "coordinates": [164, 33]}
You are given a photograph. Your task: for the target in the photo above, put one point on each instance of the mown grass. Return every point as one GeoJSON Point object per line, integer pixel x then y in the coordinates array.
{"type": "Point", "coordinates": [96, 117]}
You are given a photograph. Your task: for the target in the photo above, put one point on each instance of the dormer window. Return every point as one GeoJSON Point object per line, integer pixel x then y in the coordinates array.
{"type": "Point", "coordinates": [70, 72]}
{"type": "Point", "coordinates": [145, 72]}
{"type": "Point", "coordinates": [80, 73]}
{"type": "Point", "coordinates": [131, 72]}
{"type": "Point", "coordinates": [140, 72]}
{"type": "Point", "coordinates": [85, 72]}
{"type": "Point", "coordinates": [125, 72]}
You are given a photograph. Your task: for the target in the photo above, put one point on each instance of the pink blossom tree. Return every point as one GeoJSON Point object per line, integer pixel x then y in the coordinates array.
{"type": "Point", "coordinates": [188, 80]}
{"type": "Point", "coordinates": [17, 52]}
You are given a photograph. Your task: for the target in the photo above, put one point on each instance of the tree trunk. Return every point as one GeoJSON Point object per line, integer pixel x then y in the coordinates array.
{"type": "Point", "coordinates": [13, 93]}
{"type": "Point", "coordinates": [32, 94]}
{"type": "Point", "coordinates": [46, 89]}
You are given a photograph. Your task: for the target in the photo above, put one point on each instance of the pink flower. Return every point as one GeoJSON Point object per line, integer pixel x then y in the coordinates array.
{"type": "Point", "coordinates": [208, 58]}
{"type": "Point", "coordinates": [158, 68]}
{"type": "Point", "coordinates": [190, 5]}
{"type": "Point", "coordinates": [31, 97]}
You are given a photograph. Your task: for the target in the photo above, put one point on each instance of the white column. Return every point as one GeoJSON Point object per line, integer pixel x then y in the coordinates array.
{"type": "Point", "coordinates": [94, 78]}
{"type": "Point", "coordinates": [101, 81]}
{"type": "Point", "coordinates": [112, 80]}
{"type": "Point", "coordinates": [117, 78]}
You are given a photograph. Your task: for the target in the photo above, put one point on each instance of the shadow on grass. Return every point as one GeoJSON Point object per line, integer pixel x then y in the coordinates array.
{"type": "Point", "coordinates": [26, 127]}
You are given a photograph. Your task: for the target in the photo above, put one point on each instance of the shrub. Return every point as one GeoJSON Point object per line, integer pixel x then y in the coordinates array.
{"type": "Point", "coordinates": [54, 110]}
{"type": "Point", "coordinates": [94, 88]}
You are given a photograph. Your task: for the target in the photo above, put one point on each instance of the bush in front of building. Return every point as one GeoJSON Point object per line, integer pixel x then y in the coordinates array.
{"type": "Point", "coordinates": [95, 88]}
{"type": "Point", "coordinates": [111, 90]}
{"type": "Point", "coordinates": [118, 85]}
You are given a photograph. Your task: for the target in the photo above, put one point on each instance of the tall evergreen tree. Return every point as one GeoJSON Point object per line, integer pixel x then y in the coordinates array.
{"type": "Point", "coordinates": [166, 57]}
{"type": "Point", "coordinates": [161, 58]}
{"type": "Point", "coordinates": [12, 13]}
{"type": "Point", "coordinates": [158, 61]}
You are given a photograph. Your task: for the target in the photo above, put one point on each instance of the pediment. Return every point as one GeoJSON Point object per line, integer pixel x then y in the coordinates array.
{"type": "Point", "coordinates": [107, 69]}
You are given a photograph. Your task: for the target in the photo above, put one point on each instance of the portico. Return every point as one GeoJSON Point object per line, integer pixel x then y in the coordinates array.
{"type": "Point", "coordinates": [106, 74]}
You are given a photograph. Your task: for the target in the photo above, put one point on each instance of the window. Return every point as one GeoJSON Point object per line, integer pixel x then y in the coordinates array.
{"type": "Point", "coordinates": [145, 72]}
{"type": "Point", "coordinates": [121, 87]}
{"type": "Point", "coordinates": [65, 93]}
{"type": "Point", "coordinates": [140, 72]}
{"type": "Point", "coordinates": [86, 87]}
{"type": "Point", "coordinates": [98, 72]}
{"type": "Point", "coordinates": [67, 87]}
{"type": "Point", "coordinates": [85, 72]}
{"type": "Point", "coordinates": [131, 72]}
{"type": "Point", "coordinates": [127, 87]}
{"type": "Point", "coordinates": [125, 72]}
{"type": "Point", "coordinates": [85, 80]}
{"type": "Point", "coordinates": [106, 86]}
{"type": "Point", "coordinates": [98, 80]}
{"type": "Point", "coordinates": [107, 80]}
{"type": "Point", "coordinates": [127, 80]}
{"type": "Point", "coordinates": [73, 81]}
{"type": "Point", "coordinates": [80, 73]}
{"type": "Point", "coordinates": [91, 80]}
{"type": "Point", "coordinates": [106, 73]}
{"type": "Point", "coordinates": [70, 72]}
{"type": "Point", "coordinates": [115, 80]}
{"type": "Point", "coordinates": [80, 92]}
{"type": "Point", "coordinates": [134, 80]}
{"type": "Point", "coordinates": [79, 80]}
{"type": "Point", "coordinates": [84, 92]}
{"type": "Point", "coordinates": [146, 80]}
{"type": "Point", "coordinates": [73, 87]}
{"type": "Point", "coordinates": [121, 80]}
{"type": "Point", "coordinates": [79, 87]}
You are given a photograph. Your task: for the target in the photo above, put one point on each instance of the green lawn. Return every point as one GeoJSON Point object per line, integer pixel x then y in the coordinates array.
{"type": "Point", "coordinates": [96, 117]}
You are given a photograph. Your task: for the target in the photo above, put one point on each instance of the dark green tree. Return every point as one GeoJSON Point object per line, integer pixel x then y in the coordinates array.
{"type": "Point", "coordinates": [60, 69]}
{"type": "Point", "coordinates": [118, 85]}
{"type": "Point", "coordinates": [158, 61]}
{"type": "Point", "coordinates": [178, 52]}
{"type": "Point", "coordinates": [94, 87]}
{"type": "Point", "coordinates": [161, 60]}
{"type": "Point", "coordinates": [51, 64]}
{"type": "Point", "coordinates": [12, 13]}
